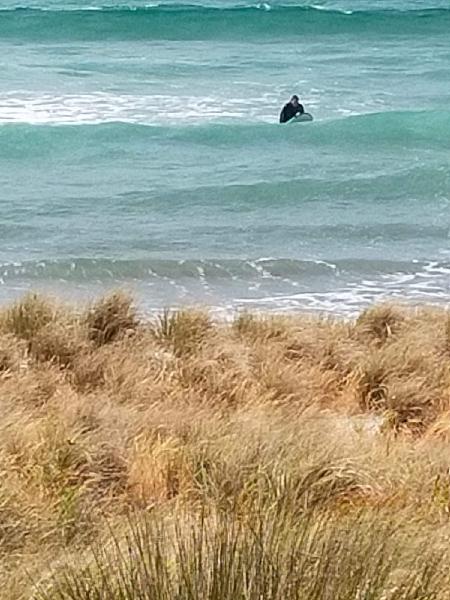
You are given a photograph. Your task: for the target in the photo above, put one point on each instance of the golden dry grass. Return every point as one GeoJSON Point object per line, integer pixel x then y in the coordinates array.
{"type": "Point", "coordinates": [281, 457]}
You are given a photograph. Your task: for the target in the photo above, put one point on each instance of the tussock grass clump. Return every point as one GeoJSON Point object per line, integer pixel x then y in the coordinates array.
{"type": "Point", "coordinates": [267, 556]}
{"type": "Point", "coordinates": [380, 323]}
{"type": "Point", "coordinates": [182, 331]}
{"type": "Point", "coordinates": [26, 317]}
{"type": "Point", "coordinates": [260, 328]}
{"type": "Point", "coordinates": [372, 385]}
{"type": "Point", "coordinates": [263, 458]}
{"type": "Point", "coordinates": [60, 342]}
{"type": "Point", "coordinates": [110, 318]}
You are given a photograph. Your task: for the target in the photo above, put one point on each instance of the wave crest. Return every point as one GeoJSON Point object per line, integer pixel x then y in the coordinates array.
{"type": "Point", "coordinates": [402, 129]}
{"type": "Point", "coordinates": [190, 22]}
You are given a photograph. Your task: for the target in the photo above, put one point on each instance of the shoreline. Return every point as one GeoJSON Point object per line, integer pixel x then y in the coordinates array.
{"type": "Point", "coordinates": [314, 304]}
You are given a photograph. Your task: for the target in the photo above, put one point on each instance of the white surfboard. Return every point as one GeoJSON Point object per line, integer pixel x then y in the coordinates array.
{"type": "Point", "coordinates": [304, 118]}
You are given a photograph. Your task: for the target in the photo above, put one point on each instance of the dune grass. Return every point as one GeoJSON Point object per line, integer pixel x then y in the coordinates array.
{"type": "Point", "coordinates": [184, 458]}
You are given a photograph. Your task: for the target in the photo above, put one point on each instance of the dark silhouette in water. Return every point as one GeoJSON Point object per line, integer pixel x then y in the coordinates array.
{"type": "Point", "coordinates": [291, 110]}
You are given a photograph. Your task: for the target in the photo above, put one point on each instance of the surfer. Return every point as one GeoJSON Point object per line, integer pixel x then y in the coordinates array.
{"type": "Point", "coordinates": [291, 109]}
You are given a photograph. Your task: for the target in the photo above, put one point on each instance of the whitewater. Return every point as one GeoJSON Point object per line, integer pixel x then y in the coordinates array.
{"type": "Point", "coordinates": [140, 148]}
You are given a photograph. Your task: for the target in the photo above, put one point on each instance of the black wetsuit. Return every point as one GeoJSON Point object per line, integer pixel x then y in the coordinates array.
{"type": "Point", "coordinates": [290, 111]}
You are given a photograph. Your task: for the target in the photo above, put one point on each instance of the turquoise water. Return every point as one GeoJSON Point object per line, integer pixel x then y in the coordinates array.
{"type": "Point", "coordinates": [139, 147]}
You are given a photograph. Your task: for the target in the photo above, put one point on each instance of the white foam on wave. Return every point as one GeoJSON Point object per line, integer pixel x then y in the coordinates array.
{"type": "Point", "coordinates": [261, 289]}
{"type": "Point", "coordinates": [430, 284]}
{"type": "Point", "coordinates": [156, 109]}
{"type": "Point", "coordinates": [331, 9]}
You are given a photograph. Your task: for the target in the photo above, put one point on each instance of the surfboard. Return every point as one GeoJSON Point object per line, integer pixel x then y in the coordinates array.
{"type": "Point", "coordinates": [304, 118]}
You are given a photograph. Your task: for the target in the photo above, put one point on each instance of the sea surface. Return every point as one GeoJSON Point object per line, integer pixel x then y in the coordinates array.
{"type": "Point", "coordinates": [140, 148]}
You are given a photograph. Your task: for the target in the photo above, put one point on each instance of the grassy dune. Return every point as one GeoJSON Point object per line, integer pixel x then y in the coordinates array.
{"type": "Point", "coordinates": [268, 458]}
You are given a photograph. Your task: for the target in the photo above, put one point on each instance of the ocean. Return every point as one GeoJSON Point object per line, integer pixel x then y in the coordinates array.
{"type": "Point", "coordinates": [140, 149]}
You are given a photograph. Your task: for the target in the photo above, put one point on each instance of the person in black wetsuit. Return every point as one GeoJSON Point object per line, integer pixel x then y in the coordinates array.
{"type": "Point", "coordinates": [291, 110]}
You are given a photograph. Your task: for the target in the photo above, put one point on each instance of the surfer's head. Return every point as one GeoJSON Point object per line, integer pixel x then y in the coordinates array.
{"type": "Point", "coordinates": [294, 100]}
